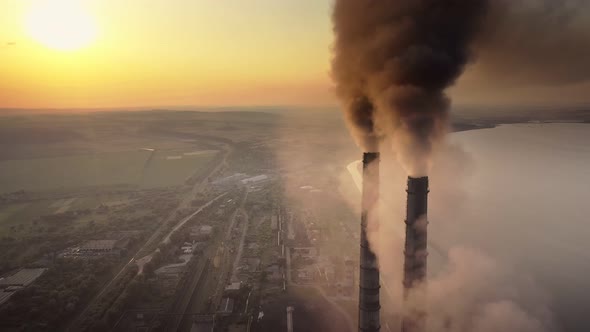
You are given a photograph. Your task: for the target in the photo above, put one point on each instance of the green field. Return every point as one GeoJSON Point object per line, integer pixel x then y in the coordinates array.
{"type": "Point", "coordinates": [165, 168]}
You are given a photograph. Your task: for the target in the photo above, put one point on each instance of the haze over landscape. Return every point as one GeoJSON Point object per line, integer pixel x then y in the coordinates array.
{"type": "Point", "coordinates": [196, 165]}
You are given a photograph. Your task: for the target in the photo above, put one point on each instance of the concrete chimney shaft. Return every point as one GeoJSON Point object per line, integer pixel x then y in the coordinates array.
{"type": "Point", "coordinates": [415, 254]}
{"type": "Point", "coordinates": [369, 306]}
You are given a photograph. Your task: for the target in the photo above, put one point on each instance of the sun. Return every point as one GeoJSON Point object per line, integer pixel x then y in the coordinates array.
{"type": "Point", "coordinates": [61, 24]}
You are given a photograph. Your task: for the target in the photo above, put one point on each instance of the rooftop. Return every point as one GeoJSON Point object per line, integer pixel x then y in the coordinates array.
{"type": "Point", "coordinates": [227, 306]}
{"type": "Point", "coordinates": [234, 286]}
{"type": "Point", "coordinates": [22, 278]}
{"type": "Point", "coordinates": [99, 245]}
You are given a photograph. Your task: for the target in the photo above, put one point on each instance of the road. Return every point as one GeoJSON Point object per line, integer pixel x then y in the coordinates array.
{"type": "Point", "coordinates": [189, 217]}
{"type": "Point", "coordinates": [205, 294]}
{"type": "Point", "coordinates": [197, 188]}
{"type": "Point", "coordinates": [147, 258]}
{"type": "Point", "coordinates": [74, 326]}
{"type": "Point", "coordinates": [225, 264]}
{"type": "Point", "coordinates": [179, 309]}
{"type": "Point", "coordinates": [234, 277]}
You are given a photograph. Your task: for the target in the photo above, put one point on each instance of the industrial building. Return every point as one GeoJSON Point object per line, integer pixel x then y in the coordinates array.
{"type": "Point", "coordinates": [226, 307]}
{"type": "Point", "coordinates": [23, 278]}
{"type": "Point", "coordinates": [201, 233]}
{"type": "Point", "coordinates": [97, 247]}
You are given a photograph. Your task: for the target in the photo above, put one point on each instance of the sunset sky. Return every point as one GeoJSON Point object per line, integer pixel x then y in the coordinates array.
{"type": "Point", "coordinates": [149, 53]}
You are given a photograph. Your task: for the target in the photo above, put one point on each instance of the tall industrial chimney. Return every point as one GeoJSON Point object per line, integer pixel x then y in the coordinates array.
{"type": "Point", "coordinates": [369, 306]}
{"type": "Point", "coordinates": [415, 252]}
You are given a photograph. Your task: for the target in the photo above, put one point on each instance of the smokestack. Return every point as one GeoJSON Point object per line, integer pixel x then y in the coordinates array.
{"type": "Point", "coordinates": [290, 310]}
{"type": "Point", "coordinates": [415, 252]}
{"type": "Point", "coordinates": [369, 306]}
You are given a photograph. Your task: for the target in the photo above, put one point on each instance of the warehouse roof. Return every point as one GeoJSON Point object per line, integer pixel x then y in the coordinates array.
{"type": "Point", "coordinates": [22, 278]}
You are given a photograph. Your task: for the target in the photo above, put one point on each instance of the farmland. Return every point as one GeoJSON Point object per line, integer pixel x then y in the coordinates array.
{"type": "Point", "coordinates": [134, 168]}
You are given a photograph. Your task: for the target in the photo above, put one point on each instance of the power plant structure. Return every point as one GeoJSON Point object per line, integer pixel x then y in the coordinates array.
{"type": "Point", "coordinates": [415, 252]}
{"type": "Point", "coordinates": [415, 256]}
{"type": "Point", "coordinates": [369, 305]}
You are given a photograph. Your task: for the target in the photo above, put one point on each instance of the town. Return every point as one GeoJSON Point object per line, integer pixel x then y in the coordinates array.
{"type": "Point", "coordinates": [228, 246]}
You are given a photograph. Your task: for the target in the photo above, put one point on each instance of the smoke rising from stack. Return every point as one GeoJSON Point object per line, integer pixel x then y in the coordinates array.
{"type": "Point", "coordinates": [393, 61]}
{"type": "Point", "coordinates": [360, 119]}
{"type": "Point", "coordinates": [467, 289]}
{"type": "Point", "coordinates": [478, 293]}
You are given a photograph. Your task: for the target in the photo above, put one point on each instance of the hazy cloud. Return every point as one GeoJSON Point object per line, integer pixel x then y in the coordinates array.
{"type": "Point", "coordinates": [539, 42]}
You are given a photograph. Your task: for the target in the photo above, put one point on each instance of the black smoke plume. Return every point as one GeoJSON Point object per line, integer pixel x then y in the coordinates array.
{"type": "Point", "coordinates": [393, 61]}
{"type": "Point", "coordinates": [535, 42]}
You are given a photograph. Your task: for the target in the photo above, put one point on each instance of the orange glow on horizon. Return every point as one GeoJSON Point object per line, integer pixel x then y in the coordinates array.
{"type": "Point", "coordinates": [149, 53]}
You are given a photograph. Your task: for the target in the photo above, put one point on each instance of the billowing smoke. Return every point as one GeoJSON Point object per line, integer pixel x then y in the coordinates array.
{"type": "Point", "coordinates": [361, 122]}
{"type": "Point", "coordinates": [538, 42]}
{"type": "Point", "coordinates": [393, 61]}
